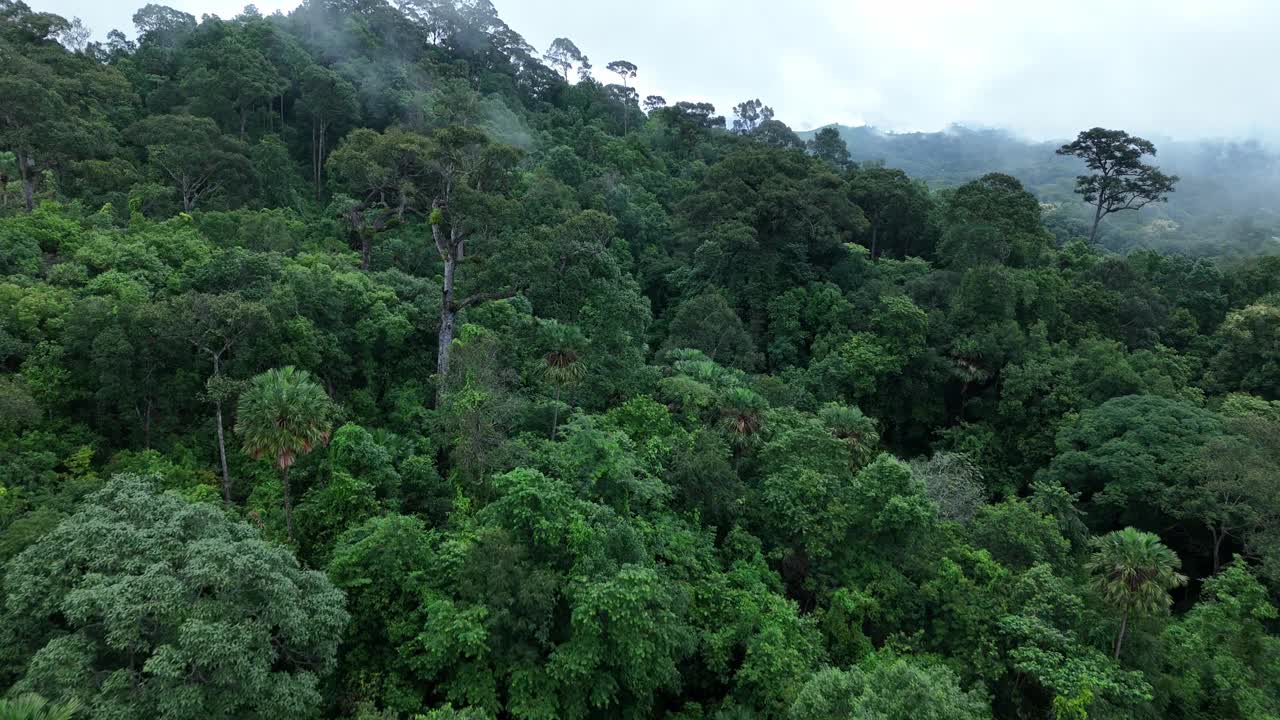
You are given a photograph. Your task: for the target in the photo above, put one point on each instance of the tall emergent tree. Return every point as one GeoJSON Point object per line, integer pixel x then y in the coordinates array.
{"type": "Point", "coordinates": [283, 414]}
{"type": "Point", "coordinates": [214, 324]}
{"type": "Point", "coordinates": [329, 99]}
{"type": "Point", "coordinates": [467, 167]}
{"type": "Point", "coordinates": [749, 115]}
{"type": "Point", "coordinates": [1120, 180]}
{"type": "Point", "coordinates": [562, 55]}
{"type": "Point", "coordinates": [381, 175]}
{"type": "Point", "coordinates": [623, 69]}
{"type": "Point", "coordinates": [1134, 573]}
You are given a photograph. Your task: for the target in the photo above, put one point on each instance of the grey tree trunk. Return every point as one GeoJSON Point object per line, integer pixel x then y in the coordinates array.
{"type": "Point", "coordinates": [25, 166]}
{"type": "Point", "coordinates": [1097, 218]}
{"type": "Point", "coordinates": [448, 318]}
{"type": "Point", "coordinates": [1124, 623]}
{"type": "Point", "coordinates": [288, 503]}
{"type": "Point", "coordinates": [222, 457]}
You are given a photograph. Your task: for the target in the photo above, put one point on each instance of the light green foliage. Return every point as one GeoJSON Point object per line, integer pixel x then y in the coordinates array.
{"type": "Point", "coordinates": [1221, 660]}
{"type": "Point", "coordinates": [1246, 356]}
{"type": "Point", "coordinates": [889, 687]}
{"type": "Point", "coordinates": [33, 707]}
{"type": "Point", "coordinates": [1044, 645]}
{"type": "Point", "coordinates": [170, 609]}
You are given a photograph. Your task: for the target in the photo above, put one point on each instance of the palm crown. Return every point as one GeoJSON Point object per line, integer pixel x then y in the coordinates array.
{"type": "Point", "coordinates": [1134, 573]}
{"type": "Point", "coordinates": [284, 413]}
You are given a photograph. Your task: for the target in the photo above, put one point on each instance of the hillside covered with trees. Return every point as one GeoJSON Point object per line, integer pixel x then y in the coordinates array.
{"type": "Point", "coordinates": [369, 363]}
{"type": "Point", "coordinates": [1226, 203]}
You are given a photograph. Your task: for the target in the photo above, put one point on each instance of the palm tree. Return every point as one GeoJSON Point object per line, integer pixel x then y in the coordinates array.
{"type": "Point", "coordinates": [34, 707]}
{"type": "Point", "coordinates": [1134, 573]}
{"type": "Point", "coordinates": [563, 364]}
{"type": "Point", "coordinates": [283, 414]}
{"type": "Point", "coordinates": [742, 412]}
{"type": "Point", "coordinates": [858, 431]}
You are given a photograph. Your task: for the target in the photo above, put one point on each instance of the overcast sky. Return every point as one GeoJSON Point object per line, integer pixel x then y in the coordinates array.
{"type": "Point", "coordinates": [1046, 68]}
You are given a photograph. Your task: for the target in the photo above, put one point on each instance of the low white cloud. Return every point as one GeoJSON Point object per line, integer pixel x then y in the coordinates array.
{"type": "Point", "coordinates": [1046, 68]}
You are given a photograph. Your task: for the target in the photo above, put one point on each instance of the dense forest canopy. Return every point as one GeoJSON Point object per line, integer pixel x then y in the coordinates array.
{"type": "Point", "coordinates": [367, 362]}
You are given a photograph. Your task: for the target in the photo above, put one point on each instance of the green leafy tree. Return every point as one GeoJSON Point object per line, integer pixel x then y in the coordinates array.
{"type": "Point", "coordinates": [1133, 573]}
{"type": "Point", "coordinates": [467, 166]}
{"type": "Point", "coordinates": [55, 107]}
{"type": "Point", "coordinates": [143, 604]}
{"type": "Point", "coordinates": [1245, 352]}
{"type": "Point", "coordinates": [214, 325]}
{"type": "Point", "coordinates": [888, 687]}
{"type": "Point", "coordinates": [1220, 659]}
{"type": "Point", "coordinates": [623, 69]}
{"type": "Point", "coordinates": [192, 156]}
{"type": "Point", "coordinates": [562, 54]}
{"type": "Point", "coordinates": [329, 100]}
{"type": "Point", "coordinates": [232, 75]}
{"type": "Point", "coordinates": [828, 146]}
{"type": "Point", "coordinates": [282, 414]}
{"type": "Point", "coordinates": [1120, 179]}
{"type": "Point", "coordinates": [896, 207]}
{"type": "Point", "coordinates": [384, 176]}
{"type": "Point", "coordinates": [749, 115]}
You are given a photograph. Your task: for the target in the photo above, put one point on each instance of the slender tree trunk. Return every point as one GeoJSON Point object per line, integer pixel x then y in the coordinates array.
{"type": "Point", "coordinates": [319, 128]}
{"type": "Point", "coordinates": [1124, 624]}
{"type": "Point", "coordinates": [1097, 218]}
{"type": "Point", "coordinates": [555, 414]}
{"type": "Point", "coordinates": [222, 457]}
{"type": "Point", "coordinates": [25, 166]}
{"type": "Point", "coordinates": [1217, 548]}
{"type": "Point", "coordinates": [145, 414]}
{"type": "Point", "coordinates": [288, 503]}
{"type": "Point", "coordinates": [315, 157]}
{"type": "Point", "coordinates": [448, 316]}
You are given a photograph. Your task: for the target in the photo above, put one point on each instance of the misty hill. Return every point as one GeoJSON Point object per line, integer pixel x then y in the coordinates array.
{"type": "Point", "coordinates": [366, 363]}
{"type": "Point", "coordinates": [1227, 202]}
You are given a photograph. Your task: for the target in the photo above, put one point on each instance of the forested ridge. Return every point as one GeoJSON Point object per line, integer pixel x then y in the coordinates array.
{"type": "Point", "coordinates": [366, 362]}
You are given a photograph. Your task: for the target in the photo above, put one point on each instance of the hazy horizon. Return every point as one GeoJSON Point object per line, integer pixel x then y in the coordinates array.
{"type": "Point", "coordinates": [1176, 70]}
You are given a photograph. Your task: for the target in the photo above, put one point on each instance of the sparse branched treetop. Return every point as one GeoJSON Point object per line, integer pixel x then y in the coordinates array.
{"type": "Point", "coordinates": [750, 114]}
{"type": "Point", "coordinates": [563, 54]}
{"type": "Point", "coordinates": [1120, 180]}
{"type": "Point", "coordinates": [623, 69]}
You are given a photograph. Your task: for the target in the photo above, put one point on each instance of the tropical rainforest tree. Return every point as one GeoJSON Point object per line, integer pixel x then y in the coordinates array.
{"type": "Point", "coordinates": [282, 415]}
{"type": "Point", "coordinates": [1120, 179]}
{"type": "Point", "coordinates": [1133, 572]}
